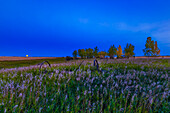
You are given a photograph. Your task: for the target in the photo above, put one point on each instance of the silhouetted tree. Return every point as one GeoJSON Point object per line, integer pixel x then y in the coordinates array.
{"type": "Point", "coordinates": [119, 52]}
{"type": "Point", "coordinates": [95, 53]}
{"type": "Point", "coordinates": [75, 54]}
{"type": "Point", "coordinates": [129, 50]}
{"type": "Point", "coordinates": [112, 52]}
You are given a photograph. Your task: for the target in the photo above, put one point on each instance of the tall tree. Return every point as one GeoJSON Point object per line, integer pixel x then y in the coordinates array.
{"type": "Point", "coordinates": [80, 53]}
{"type": "Point", "coordinates": [112, 52]}
{"type": "Point", "coordinates": [75, 54]}
{"type": "Point", "coordinates": [129, 50]}
{"type": "Point", "coordinates": [89, 53]}
{"type": "Point", "coordinates": [151, 48]}
{"type": "Point", "coordinates": [83, 53]}
{"type": "Point", "coordinates": [156, 50]}
{"type": "Point", "coordinates": [95, 53]}
{"type": "Point", "coordinates": [147, 50]}
{"type": "Point", "coordinates": [119, 52]}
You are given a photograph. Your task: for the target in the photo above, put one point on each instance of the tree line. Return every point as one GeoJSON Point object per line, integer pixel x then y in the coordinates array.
{"type": "Point", "coordinates": [151, 49]}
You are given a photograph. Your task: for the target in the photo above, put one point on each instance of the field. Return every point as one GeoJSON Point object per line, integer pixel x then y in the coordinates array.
{"type": "Point", "coordinates": [131, 85]}
{"type": "Point", "coordinates": [14, 62]}
{"type": "Point", "coordinates": [24, 58]}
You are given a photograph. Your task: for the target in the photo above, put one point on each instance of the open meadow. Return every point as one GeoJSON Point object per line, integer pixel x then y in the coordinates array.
{"type": "Point", "coordinates": [121, 85]}
{"type": "Point", "coordinates": [14, 62]}
{"type": "Point", "coordinates": [85, 56]}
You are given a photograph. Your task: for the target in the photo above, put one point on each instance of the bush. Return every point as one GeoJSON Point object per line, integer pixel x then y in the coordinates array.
{"type": "Point", "coordinates": [68, 58]}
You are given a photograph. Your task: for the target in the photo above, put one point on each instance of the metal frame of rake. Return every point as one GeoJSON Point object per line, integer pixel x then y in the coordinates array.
{"type": "Point", "coordinates": [42, 64]}
{"type": "Point", "coordinates": [95, 63]}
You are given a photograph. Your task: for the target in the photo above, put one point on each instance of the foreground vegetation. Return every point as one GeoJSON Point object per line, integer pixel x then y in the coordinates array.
{"type": "Point", "coordinates": [119, 86]}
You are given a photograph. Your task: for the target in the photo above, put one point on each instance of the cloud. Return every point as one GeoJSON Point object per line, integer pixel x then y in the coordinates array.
{"type": "Point", "coordinates": [144, 27]}
{"type": "Point", "coordinates": [104, 24]}
{"type": "Point", "coordinates": [159, 30]}
{"type": "Point", "coordinates": [163, 33]}
{"type": "Point", "coordinates": [83, 20]}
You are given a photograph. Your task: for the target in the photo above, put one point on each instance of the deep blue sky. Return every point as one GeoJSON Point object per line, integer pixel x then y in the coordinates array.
{"type": "Point", "coordinates": [57, 27]}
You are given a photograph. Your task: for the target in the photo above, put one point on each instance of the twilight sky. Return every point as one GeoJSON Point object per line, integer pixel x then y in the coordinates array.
{"type": "Point", "coordinates": [57, 27]}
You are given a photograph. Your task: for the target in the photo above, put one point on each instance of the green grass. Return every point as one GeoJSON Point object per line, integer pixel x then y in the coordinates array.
{"type": "Point", "coordinates": [22, 63]}
{"type": "Point", "coordinates": [125, 87]}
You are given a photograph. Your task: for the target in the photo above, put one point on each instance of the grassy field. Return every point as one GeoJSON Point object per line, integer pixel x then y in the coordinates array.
{"type": "Point", "coordinates": [6, 58]}
{"type": "Point", "coordinates": [117, 86]}
{"type": "Point", "coordinates": [14, 62]}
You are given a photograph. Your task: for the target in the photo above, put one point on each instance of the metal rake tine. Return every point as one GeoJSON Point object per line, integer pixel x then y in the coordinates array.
{"type": "Point", "coordinates": [96, 62]}
{"type": "Point", "coordinates": [79, 65]}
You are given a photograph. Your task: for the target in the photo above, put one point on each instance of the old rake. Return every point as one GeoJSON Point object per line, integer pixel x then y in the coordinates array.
{"type": "Point", "coordinates": [45, 71]}
{"type": "Point", "coordinates": [95, 64]}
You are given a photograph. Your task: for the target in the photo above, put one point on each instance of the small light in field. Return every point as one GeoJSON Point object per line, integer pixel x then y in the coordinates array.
{"type": "Point", "coordinates": [26, 55]}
